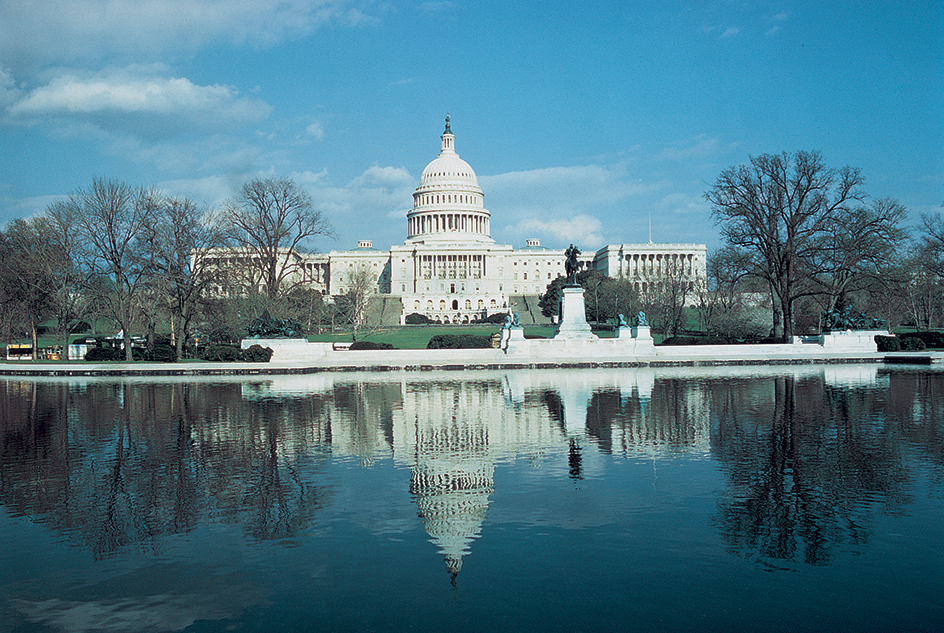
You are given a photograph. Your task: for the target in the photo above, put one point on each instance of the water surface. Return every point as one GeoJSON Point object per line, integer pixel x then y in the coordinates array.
{"type": "Point", "coordinates": [783, 499]}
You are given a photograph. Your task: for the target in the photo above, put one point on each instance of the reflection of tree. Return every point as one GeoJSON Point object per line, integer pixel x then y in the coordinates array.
{"type": "Point", "coordinates": [674, 417]}
{"type": "Point", "coordinates": [806, 464]}
{"type": "Point", "coordinates": [120, 464]}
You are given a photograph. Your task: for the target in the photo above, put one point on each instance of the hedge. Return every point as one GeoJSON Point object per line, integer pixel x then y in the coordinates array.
{"type": "Point", "coordinates": [887, 343]}
{"type": "Point", "coordinates": [104, 353]}
{"type": "Point", "coordinates": [931, 339]}
{"type": "Point", "coordinates": [459, 341]}
{"type": "Point", "coordinates": [912, 344]}
{"type": "Point", "coordinates": [230, 354]}
{"type": "Point", "coordinates": [367, 345]}
{"type": "Point", "coordinates": [696, 340]}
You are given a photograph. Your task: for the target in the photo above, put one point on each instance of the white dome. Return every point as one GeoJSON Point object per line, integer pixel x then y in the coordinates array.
{"type": "Point", "coordinates": [447, 170]}
{"type": "Point", "coordinates": [448, 205]}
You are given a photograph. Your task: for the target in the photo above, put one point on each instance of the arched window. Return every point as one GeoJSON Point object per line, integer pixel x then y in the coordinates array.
{"type": "Point", "coordinates": [455, 304]}
{"type": "Point", "coordinates": [442, 305]}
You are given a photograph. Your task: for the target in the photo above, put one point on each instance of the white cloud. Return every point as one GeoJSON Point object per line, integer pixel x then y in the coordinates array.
{"type": "Point", "coordinates": [561, 188]}
{"type": "Point", "coordinates": [314, 132]}
{"type": "Point", "coordinates": [561, 205]}
{"type": "Point", "coordinates": [33, 34]}
{"type": "Point", "coordinates": [8, 90]}
{"type": "Point", "coordinates": [139, 100]}
{"type": "Point", "coordinates": [383, 178]}
{"type": "Point", "coordinates": [582, 229]}
{"type": "Point", "coordinates": [374, 203]}
{"type": "Point", "coordinates": [783, 16]}
{"type": "Point", "coordinates": [11, 208]}
{"type": "Point", "coordinates": [699, 147]}
{"type": "Point", "coordinates": [731, 31]}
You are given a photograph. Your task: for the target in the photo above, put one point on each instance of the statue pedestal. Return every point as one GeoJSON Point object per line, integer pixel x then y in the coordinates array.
{"type": "Point", "coordinates": [573, 318]}
{"type": "Point", "coordinates": [510, 335]}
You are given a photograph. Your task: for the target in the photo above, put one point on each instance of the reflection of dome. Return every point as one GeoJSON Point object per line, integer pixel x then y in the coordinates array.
{"type": "Point", "coordinates": [452, 499]}
{"type": "Point", "coordinates": [448, 204]}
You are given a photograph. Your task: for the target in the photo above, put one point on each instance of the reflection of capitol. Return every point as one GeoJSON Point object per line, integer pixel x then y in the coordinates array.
{"type": "Point", "coordinates": [253, 446]}
{"type": "Point", "coordinates": [450, 433]}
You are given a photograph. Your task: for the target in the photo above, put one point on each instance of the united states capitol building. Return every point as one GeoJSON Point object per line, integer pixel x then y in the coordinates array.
{"type": "Point", "coordinates": [451, 270]}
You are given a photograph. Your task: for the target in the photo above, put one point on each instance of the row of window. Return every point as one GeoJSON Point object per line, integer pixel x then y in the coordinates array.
{"type": "Point", "coordinates": [454, 305]}
{"type": "Point", "coordinates": [448, 198]}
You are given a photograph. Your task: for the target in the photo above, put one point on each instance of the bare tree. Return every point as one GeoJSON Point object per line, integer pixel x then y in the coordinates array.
{"type": "Point", "coordinates": [354, 303]}
{"type": "Point", "coordinates": [859, 244]}
{"type": "Point", "coordinates": [932, 243]}
{"type": "Point", "coordinates": [180, 238]}
{"type": "Point", "coordinates": [777, 208]}
{"type": "Point", "coordinates": [271, 220]}
{"type": "Point", "coordinates": [24, 276]}
{"type": "Point", "coordinates": [67, 274]}
{"type": "Point", "coordinates": [665, 300]}
{"type": "Point", "coordinates": [113, 218]}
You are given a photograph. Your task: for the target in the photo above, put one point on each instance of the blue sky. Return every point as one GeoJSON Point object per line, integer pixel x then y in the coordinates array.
{"type": "Point", "coordinates": [581, 120]}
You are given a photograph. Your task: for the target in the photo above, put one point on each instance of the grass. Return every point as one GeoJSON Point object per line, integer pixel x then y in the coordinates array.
{"type": "Point", "coordinates": [404, 337]}
{"type": "Point", "coordinates": [418, 337]}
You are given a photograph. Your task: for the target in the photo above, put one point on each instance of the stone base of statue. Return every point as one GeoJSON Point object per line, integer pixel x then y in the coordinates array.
{"type": "Point", "coordinates": [573, 317]}
{"type": "Point", "coordinates": [511, 334]}
{"type": "Point", "coordinates": [641, 333]}
{"type": "Point", "coordinates": [290, 349]}
{"type": "Point", "coordinates": [851, 340]}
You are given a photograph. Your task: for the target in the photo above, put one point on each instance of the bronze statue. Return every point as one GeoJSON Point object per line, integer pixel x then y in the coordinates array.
{"type": "Point", "coordinates": [571, 264]}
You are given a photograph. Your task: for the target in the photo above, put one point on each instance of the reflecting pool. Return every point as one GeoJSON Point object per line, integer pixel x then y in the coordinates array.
{"type": "Point", "coordinates": [797, 498]}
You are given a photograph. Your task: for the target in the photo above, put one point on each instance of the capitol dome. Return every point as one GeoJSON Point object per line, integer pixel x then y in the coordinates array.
{"type": "Point", "coordinates": [448, 205]}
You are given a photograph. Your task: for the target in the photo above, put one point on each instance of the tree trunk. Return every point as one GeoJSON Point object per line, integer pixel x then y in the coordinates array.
{"type": "Point", "coordinates": [35, 336]}
{"type": "Point", "coordinates": [777, 313]}
{"type": "Point", "coordinates": [129, 354]}
{"type": "Point", "coordinates": [787, 320]}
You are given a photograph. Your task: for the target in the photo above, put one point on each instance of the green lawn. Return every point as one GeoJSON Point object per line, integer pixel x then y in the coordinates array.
{"type": "Point", "coordinates": [418, 337]}
{"type": "Point", "coordinates": [405, 337]}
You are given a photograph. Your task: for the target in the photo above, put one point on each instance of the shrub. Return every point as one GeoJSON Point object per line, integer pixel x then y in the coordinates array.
{"type": "Point", "coordinates": [222, 354]}
{"type": "Point", "coordinates": [257, 354]}
{"type": "Point", "coordinates": [457, 341]}
{"type": "Point", "coordinates": [497, 318]}
{"type": "Point", "coordinates": [887, 343]}
{"type": "Point", "coordinates": [931, 339]}
{"type": "Point", "coordinates": [417, 319]}
{"type": "Point", "coordinates": [695, 340]}
{"type": "Point", "coordinates": [162, 353]}
{"type": "Point", "coordinates": [362, 345]}
{"type": "Point", "coordinates": [104, 353]}
{"type": "Point", "coordinates": [912, 344]}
